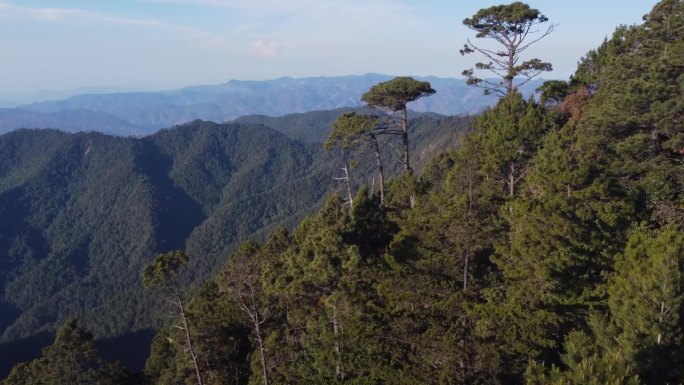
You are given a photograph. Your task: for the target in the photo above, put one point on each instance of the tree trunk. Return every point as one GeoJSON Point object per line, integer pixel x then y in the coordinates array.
{"type": "Point", "coordinates": [378, 160]}
{"type": "Point", "coordinates": [511, 180]}
{"type": "Point", "coordinates": [465, 271]}
{"type": "Point", "coordinates": [511, 71]}
{"type": "Point", "coordinates": [347, 184]}
{"type": "Point", "coordinates": [470, 190]}
{"type": "Point", "coordinates": [336, 331]}
{"type": "Point", "coordinates": [262, 349]}
{"type": "Point", "coordinates": [252, 312]}
{"type": "Point", "coordinates": [246, 300]}
{"type": "Point", "coordinates": [188, 339]}
{"type": "Point", "coordinates": [405, 142]}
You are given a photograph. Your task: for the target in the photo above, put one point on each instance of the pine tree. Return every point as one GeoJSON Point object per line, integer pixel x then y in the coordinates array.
{"type": "Point", "coordinates": [510, 26]}
{"type": "Point", "coordinates": [394, 95]}
{"type": "Point", "coordinates": [165, 272]}
{"type": "Point", "coordinates": [646, 300]}
{"type": "Point", "coordinates": [508, 136]}
{"type": "Point", "coordinates": [241, 282]}
{"type": "Point", "coordinates": [352, 131]}
{"type": "Point", "coordinates": [70, 360]}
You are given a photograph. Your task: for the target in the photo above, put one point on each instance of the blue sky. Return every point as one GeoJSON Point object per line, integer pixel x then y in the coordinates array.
{"type": "Point", "coordinates": [68, 46]}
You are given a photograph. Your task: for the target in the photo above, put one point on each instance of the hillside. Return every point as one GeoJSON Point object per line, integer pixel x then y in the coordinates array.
{"type": "Point", "coordinates": [82, 213]}
{"type": "Point", "coordinates": [542, 243]}
{"type": "Point", "coordinates": [142, 113]}
{"type": "Point", "coordinates": [69, 120]}
{"type": "Point", "coordinates": [86, 211]}
{"type": "Point", "coordinates": [547, 249]}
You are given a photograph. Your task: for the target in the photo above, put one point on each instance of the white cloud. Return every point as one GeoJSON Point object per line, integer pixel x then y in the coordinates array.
{"type": "Point", "coordinates": [338, 13]}
{"type": "Point", "coordinates": [266, 48]}
{"type": "Point", "coordinates": [66, 14]}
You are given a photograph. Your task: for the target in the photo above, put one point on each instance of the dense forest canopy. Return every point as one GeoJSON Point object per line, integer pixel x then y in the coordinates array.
{"type": "Point", "coordinates": [548, 248]}
{"type": "Point", "coordinates": [83, 213]}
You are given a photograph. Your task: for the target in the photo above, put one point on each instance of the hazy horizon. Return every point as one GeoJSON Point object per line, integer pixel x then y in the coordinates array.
{"type": "Point", "coordinates": [56, 51]}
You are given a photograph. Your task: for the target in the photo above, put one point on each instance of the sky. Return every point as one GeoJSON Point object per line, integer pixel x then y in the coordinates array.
{"type": "Point", "coordinates": [53, 48]}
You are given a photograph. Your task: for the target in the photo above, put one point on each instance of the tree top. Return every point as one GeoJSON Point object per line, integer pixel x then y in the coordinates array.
{"type": "Point", "coordinates": [394, 94]}
{"type": "Point", "coordinates": [165, 266]}
{"type": "Point", "coordinates": [508, 19]}
{"type": "Point", "coordinates": [350, 127]}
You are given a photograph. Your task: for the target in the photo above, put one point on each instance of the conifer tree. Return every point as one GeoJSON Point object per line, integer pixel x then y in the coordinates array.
{"type": "Point", "coordinates": [241, 281]}
{"type": "Point", "coordinates": [646, 301]}
{"type": "Point", "coordinates": [352, 131]}
{"type": "Point", "coordinates": [510, 26]}
{"type": "Point", "coordinates": [70, 360]}
{"type": "Point", "coordinates": [394, 95]}
{"type": "Point", "coordinates": [592, 180]}
{"type": "Point", "coordinates": [221, 342]}
{"type": "Point", "coordinates": [508, 136]}
{"type": "Point", "coordinates": [165, 272]}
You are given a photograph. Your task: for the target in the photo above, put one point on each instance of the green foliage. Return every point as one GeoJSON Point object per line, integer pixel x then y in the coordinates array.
{"type": "Point", "coordinates": [83, 213]}
{"type": "Point", "coordinates": [393, 95]}
{"type": "Point", "coordinates": [165, 269]}
{"type": "Point", "coordinates": [608, 369]}
{"type": "Point", "coordinates": [70, 360]}
{"type": "Point", "coordinates": [350, 129]}
{"type": "Point", "coordinates": [507, 137]}
{"type": "Point", "coordinates": [220, 335]}
{"type": "Point", "coordinates": [553, 92]}
{"type": "Point", "coordinates": [646, 300]}
{"type": "Point", "coordinates": [396, 93]}
{"type": "Point", "coordinates": [546, 249]}
{"type": "Point", "coordinates": [639, 339]}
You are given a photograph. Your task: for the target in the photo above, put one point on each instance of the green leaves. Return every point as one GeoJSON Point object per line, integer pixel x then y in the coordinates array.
{"type": "Point", "coordinates": [507, 137]}
{"type": "Point", "coordinates": [512, 19]}
{"type": "Point", "coordinates": [166, 268]}
{"type": "Point", "coordinates": [351, 130]}
{"type": "Point", "coordinates": [646, 300]}
{"type": "Point", "coordinates": [394, 94]}
{"type": "Point", "coordinates": [71, 359]}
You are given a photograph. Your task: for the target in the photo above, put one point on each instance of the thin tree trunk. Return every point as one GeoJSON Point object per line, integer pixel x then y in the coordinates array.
{"type": "Point", "coordinates": [348, 184]}
{"type": "Point", "coordinates": [470, 189]}
{"type": "Point", "coordinates": [511, 73]}
{"type": "Point", "coordinates": [465, 271]}
{"type": "Point", "coordinates": [405, 142]}
{"type": "Point", "coordinates": [407, 165]}
{"type": "Point", "coordinates": [336, 331]}
{"type": "Point", "coordinates": [660, 320]}
{"type": "Point", "coordinates": [188, 338]}
{"type": "Point", "coordinates": [253, 314]}
{"type": "Point", "coordinates": [511, 180]}
{"type": "Point", "coordinates": [262, 349]}
{"type": "Point", "coordinates": [378, 160]}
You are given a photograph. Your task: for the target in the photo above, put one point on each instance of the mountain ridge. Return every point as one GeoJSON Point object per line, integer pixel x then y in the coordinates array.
{"type": "Point", "coordinates": [83, 212]}
{"type": "Point", "coordinates": [143, 113]}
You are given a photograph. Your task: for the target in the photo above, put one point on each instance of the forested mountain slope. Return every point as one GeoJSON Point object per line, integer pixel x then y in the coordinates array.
{"type": "Point", "coordinates": [82, 213]}
{"type": "Point", "coordinates": [70, 120]}
{"type": "Point", "coordinates": [547, 249]}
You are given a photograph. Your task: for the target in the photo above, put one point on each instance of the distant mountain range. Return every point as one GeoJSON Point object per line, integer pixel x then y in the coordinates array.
{"type": "Point", "coordinates": [143, 113]}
